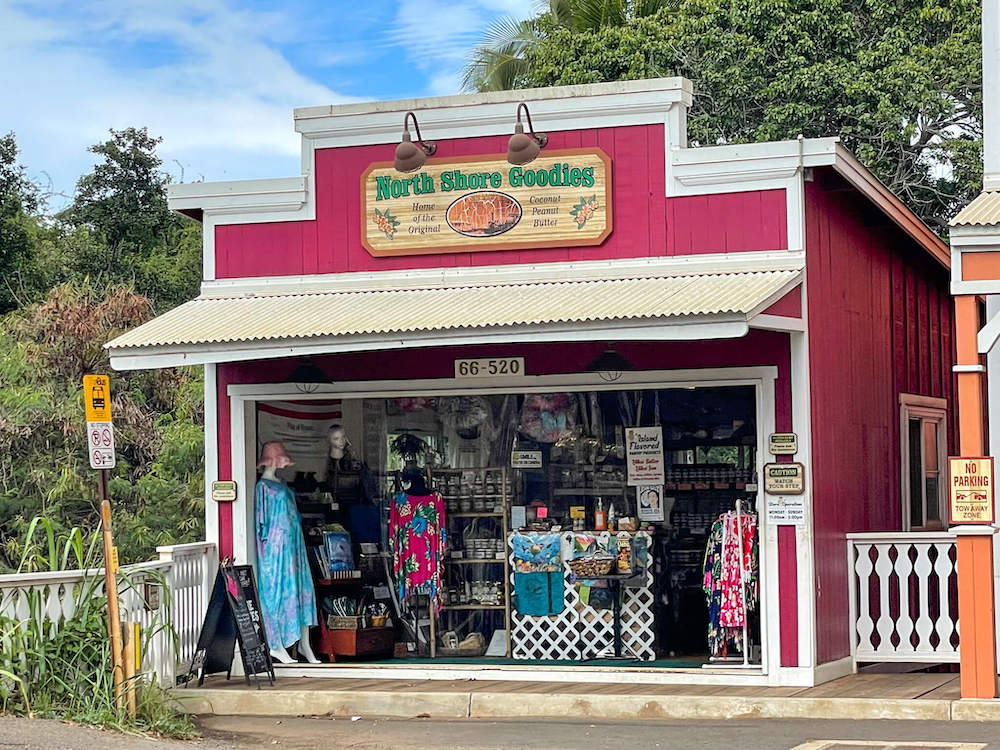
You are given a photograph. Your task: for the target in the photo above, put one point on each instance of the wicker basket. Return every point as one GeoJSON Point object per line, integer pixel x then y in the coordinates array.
{"type": "Point", "coordinates": [589, 567]}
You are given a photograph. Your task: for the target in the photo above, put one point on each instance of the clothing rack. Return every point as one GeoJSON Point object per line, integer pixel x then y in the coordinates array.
{"type": "Point", "coordinates": [729, 662]}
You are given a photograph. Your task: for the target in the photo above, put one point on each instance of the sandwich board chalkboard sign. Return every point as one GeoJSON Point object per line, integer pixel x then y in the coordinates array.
{"type": "Point", "coordinates": [233, 613]}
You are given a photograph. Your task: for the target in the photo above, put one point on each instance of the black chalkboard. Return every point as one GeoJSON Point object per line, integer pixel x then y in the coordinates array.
{"type": "Point", "coordinates": [233, 613]}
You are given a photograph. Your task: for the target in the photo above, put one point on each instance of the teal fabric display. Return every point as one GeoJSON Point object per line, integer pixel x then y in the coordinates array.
{"type": "Point", "coordinates": [538, 594]}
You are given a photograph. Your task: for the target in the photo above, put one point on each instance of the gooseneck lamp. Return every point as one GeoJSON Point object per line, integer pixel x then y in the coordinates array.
{"type": "Point", "coordinates": [409, 156]}
{"type": "Point", "coordinates": [522, 147]}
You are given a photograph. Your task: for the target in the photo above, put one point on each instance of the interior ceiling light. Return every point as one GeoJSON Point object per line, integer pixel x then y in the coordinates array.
{"type": "Point", "coordinates": [610, 365]}
{"type": "Point", "coordinates": [409, 156]}
{"type": "Point", "coordinates": [523, 148]}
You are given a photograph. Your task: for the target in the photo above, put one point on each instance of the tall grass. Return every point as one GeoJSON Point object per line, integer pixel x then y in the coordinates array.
{"type": "Point", "coordinates": [62, 668]}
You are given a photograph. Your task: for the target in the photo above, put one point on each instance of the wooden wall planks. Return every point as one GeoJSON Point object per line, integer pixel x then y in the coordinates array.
{"type": "Point", "coordinates": [646, 223]}
{"type": "Point", "coordinates": [879, 325]}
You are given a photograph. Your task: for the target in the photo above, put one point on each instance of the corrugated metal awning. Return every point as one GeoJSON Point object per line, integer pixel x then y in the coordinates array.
{"type": "Point", "coordinates": [983, 211]}
{"type": "Point", "coordinates": [219, 329]}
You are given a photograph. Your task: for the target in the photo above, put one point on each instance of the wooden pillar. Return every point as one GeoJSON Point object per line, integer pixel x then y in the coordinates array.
{"type": "Point", "coordinates": [975, 544]}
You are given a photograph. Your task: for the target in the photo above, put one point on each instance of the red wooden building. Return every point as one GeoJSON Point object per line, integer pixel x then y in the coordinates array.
{"type": "Point", "coordinates": [751, 290]}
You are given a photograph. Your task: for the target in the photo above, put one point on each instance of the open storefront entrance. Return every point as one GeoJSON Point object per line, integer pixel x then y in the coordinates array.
{"type": "Point", "coordinates": [558, 549]}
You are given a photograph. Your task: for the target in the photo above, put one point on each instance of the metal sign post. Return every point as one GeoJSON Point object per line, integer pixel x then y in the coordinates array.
{"type": "Point", "coordinates": [101, 447]}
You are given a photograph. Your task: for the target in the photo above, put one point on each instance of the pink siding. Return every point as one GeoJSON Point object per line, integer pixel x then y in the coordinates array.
{"type": "Point", "coordinates": [757, 348]}
{"type": "Point", "coordinates": [645, 222]}
{"type": "Point", "coordinates": [879, 325]}
{"type": "Point", "coordinates": [789, 306]}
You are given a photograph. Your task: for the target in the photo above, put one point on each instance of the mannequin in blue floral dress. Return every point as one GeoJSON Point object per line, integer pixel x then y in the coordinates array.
{"type": "Point", "coordinates": [287, 596]}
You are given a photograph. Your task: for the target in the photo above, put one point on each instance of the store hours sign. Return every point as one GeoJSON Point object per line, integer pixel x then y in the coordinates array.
{"type": "Point", "coordinates": [561, 199]}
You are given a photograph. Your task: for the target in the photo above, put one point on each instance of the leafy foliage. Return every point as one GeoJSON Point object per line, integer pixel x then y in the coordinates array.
{"type": "Point", "coordinates": [60, 669]}
{"type": "Point", "coordinates": [19, 202]}
{"type": "Point", "coordinates": [157, 487]}
{"type": "Point", "coordinates": [900, 82]}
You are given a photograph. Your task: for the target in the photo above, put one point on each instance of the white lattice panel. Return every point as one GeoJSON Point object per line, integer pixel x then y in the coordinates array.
{"type": "Point", "coordinates": [580, 631]}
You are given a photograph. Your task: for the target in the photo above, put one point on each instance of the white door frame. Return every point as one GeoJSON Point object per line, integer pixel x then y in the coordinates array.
{"type": "Point", "coordinates": [243, 399]}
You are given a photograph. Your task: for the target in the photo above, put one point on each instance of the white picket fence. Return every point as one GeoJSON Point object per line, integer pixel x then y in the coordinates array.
{"type": "Point", "coordinates": [903, 597]}
{"type": "Point", "coordinates": [180, 579]}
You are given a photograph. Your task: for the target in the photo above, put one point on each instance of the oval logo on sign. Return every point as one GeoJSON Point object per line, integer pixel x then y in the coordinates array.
{"type": "Point", "coordinates": [486, 213]}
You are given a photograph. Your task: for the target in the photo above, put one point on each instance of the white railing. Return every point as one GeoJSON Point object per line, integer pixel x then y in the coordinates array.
{"type": "Point", "coordinates": [187, 570]}
{"type": "Point", "coordinates": [903, 597]}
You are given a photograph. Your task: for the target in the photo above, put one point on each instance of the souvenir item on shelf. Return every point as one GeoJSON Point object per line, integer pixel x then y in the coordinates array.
{"type": "Point", "coordinates": [287, 596]}
{"type": "Point", "coordinates": [730, 579]}
{"type": "Point", "coordinates": [548, 417]}
{"type": "Point", "coordinates": [417, 534]}
{"type": "Point", "coordinates": [536, 552]}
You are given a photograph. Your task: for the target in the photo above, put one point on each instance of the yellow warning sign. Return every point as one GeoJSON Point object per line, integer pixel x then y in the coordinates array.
{"type": "Point", "coordinates": [97, 397]}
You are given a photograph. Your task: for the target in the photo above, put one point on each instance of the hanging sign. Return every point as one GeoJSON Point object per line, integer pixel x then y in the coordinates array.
{"type": "Point", "coordinates": [783, 444]}
{"type": "Point", "coordinates": [970, 482]}
{"type": "Point", "coordinates": [526, 459]}
{"type": "Point", "coordinates": [786, 510]}
{"type": "Point", "coordinates": [465, 205]}
{"type": "Point", "coordinates": [224, 492]}
{"type": "Point", "coordinates": [784, 479]}
{"type": "Point", "coordinates": [650, 502]}
{"type": "Point", "coordinates": [644, 447]}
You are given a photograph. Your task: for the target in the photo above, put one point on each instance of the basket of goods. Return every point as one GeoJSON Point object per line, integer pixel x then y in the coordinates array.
{"type": "Point", "coordinates": [591, 567]}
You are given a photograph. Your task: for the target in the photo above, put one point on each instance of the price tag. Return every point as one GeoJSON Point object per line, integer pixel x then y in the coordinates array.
{"type": "Point", "coordinates": [101, 445]}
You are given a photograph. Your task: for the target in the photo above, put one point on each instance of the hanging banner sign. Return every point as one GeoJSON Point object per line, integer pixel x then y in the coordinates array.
{"type": "Point", "coordinates": [645, 455]}
{"type": "Point", "coordinates": [970, 482]}
{"type": "Point", "coordinates": [465, 205]}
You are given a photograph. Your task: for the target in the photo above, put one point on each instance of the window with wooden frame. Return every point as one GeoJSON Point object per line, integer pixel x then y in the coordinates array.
{"type": "Point", "coordinates": [923, 442]}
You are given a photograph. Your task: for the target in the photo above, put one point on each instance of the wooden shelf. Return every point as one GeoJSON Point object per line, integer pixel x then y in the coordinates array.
{"type": "Point", "coordinates": [496, 607]}
{"type": "Point", "coordinates": [475, 560]}
{"type": "Point", "coordinates": [472, 515]}
{"type": "Point", "coordinates": [587, 491]}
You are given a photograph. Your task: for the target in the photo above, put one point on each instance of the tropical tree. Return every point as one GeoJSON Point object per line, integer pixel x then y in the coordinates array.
{"type": "Point", "coordinates": [899, 82]}
{"type": "Point", "coordinates": [19, 204]}
{"type": "Point", "coordinates": [500, 60]}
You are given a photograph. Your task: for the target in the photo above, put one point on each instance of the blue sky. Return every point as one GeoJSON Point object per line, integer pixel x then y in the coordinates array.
{"type": "Point", "coordinates": [217, 79]}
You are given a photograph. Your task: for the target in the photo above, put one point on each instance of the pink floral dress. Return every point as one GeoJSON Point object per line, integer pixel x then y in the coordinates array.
{"type": "Point", "coordinates": [416, 529]}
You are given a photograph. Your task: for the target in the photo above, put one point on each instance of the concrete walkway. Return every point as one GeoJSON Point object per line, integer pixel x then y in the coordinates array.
{"type": "Point", "coordinates": [861, 696]}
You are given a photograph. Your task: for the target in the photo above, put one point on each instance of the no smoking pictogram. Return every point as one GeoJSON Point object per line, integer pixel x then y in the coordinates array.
{"type": "Point", "coordinates": [101, 444]}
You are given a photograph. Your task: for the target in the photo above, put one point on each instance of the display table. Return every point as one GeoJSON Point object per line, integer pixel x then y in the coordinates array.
{"type": "Point", "coordinates": [615, 583]}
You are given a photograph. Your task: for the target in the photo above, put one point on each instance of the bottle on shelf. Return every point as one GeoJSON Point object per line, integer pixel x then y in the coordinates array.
{"type": "Point", "coordinates": [600, 518]}
{"type": "Point", "coordinates": [612, 516]}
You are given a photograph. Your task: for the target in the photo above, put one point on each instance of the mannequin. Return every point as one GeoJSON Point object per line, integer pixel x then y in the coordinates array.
{"type": "Point", "coordinates": [287, 596]}
{"type": "Point", "coordinates": [347, 479]}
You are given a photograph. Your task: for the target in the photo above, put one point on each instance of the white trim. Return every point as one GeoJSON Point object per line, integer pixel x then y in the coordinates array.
{"type": "Point", "coordinates": [708, 327]}
{"type": "Point", "coordinates": [243, 398]}
{"type": "Point", "coordinates": [973, 239]}
{"type": "Point", "coordinates": [924, 408]}
{"type": "Point", "coordinates": [681, 265]}
{"type": "Point", "coordinates": [801, 388]}
{"type": "Point", "coordinates": [780, 323]}
{"type": "Point", "coordinates": [987, 337]}
{"type": "Point", "coordinates": [471, 116]}
{"type": "Point", "coordinates": [968, 368]}
{"type": "Point", "coordinates": [833, 670]}
{"type": "Point", "coordinates": [212, 454]}
{"type": "Point", "coordinates": [991, 94]}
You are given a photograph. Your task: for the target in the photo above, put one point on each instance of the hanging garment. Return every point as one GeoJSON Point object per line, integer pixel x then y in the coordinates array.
{"type": "Point", "coordinates": [539, 594]}
{"type": "Point", "coordinates": [728, 601]}
{"type": "Point", "coordinates": [417, 533]}
{"type": "Point", "coordinates": [287, 597]}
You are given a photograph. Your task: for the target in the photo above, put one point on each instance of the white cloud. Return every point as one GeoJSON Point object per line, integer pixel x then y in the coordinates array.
{"type": "Point", "coordinates": [439, 36]}
{"type": "Point", "coordinates": [222, 98]}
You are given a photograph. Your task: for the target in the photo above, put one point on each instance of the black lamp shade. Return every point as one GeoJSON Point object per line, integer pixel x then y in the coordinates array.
{"type": "Point", "coordinates": [521, 148]}
{"type": "Point", "coordinates": [610, 361]}
{"type": "Point", "coordinates": [308, 372]}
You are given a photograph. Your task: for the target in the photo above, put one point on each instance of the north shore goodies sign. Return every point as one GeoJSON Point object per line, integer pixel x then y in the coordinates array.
{"type": "Point", "coordinates": [561, 199]}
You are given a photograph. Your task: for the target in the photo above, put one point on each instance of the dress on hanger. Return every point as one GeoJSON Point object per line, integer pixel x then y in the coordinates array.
{"type": "Point", "coordinates": [287, 596]}
{"type": "Point", "coordinates": [417, 533]}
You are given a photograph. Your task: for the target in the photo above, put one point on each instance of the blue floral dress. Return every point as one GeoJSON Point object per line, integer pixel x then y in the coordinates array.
{"type": "Point", "coordinates": [287, 596]}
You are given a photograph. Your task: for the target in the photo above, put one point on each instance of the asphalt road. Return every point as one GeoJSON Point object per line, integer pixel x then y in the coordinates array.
{"type": "Point", "coordinates": [243, 733]}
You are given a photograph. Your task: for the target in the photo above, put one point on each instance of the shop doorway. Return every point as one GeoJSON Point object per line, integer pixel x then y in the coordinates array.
{"type": "Point", "coordinates": [535, 462]}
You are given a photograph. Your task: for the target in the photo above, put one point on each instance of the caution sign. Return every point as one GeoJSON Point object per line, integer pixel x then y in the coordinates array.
{"type": "Point", "coordinates": [784, 479]}
{"type": "Point", "coordinates": [97, 398]}
{"type": "Point", "coordinates": [970, 482]}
